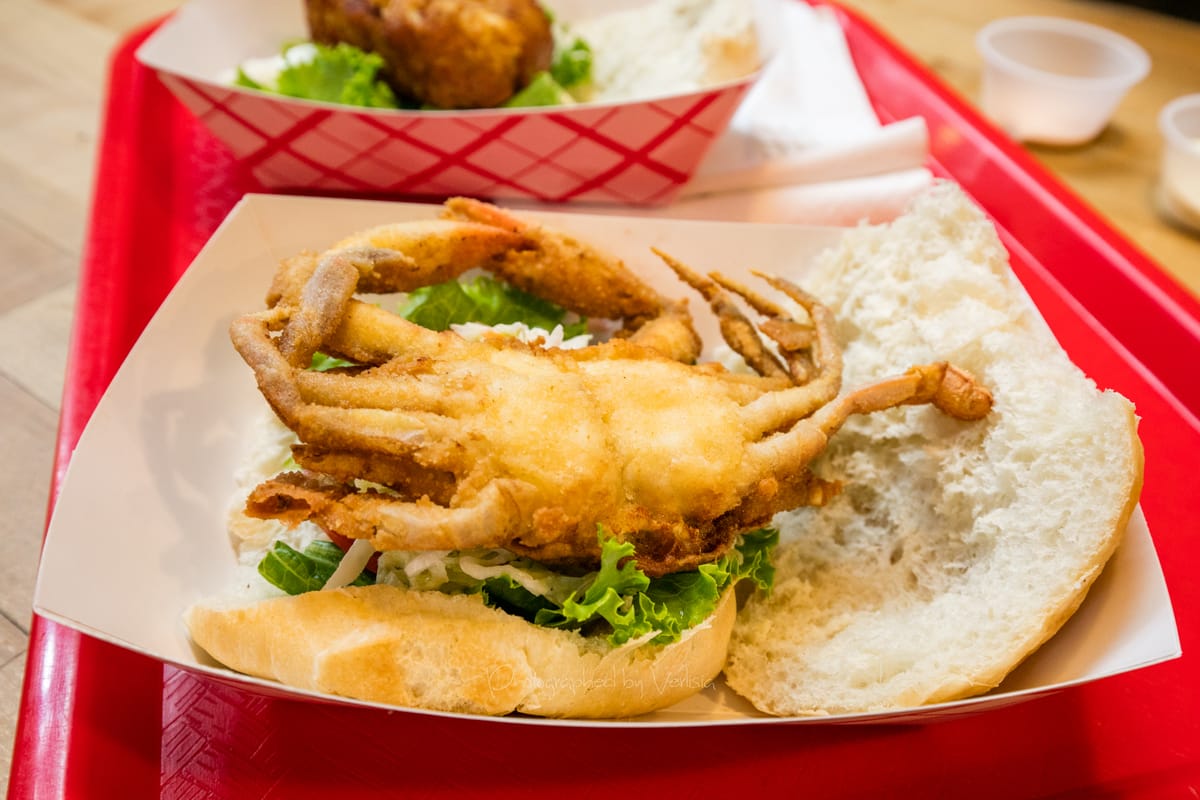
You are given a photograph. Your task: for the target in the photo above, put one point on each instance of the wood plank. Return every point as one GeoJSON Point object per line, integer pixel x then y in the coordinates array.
{"type": "Point", "coordinates": [52, 68]}
{"type": "Point", "coordinates": [27, 428]}
{"type": "Point", "coordinates": [36, 335]}
{"type": "Point", "coordinates": [114, 14]}
{"type": "Point", "coordinates": [35, 266]}
{"type": "Point", "coordinates": [11, 675]}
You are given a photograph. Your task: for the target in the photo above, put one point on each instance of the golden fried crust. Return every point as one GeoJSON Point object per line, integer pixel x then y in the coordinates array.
{"type": "Point", "coordinates": [444, 53]}
{"type": "Point", "coordinates": [402, 474]}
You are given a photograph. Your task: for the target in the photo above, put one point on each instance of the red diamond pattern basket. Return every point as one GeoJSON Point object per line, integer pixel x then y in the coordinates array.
{"type": "Point", "coordinates": [629, 153]}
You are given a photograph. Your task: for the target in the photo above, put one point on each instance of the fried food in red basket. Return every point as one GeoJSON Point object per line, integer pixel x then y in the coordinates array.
{"type": "Point", "coordinates": [443, 53]}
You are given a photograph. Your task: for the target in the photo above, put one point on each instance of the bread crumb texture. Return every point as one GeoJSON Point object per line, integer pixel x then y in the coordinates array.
{"type": "Point", "coordinates": [957, 548]}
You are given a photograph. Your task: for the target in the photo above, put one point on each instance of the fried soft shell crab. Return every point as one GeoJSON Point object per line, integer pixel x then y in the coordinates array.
{"type": "Point", "coordinates": [498, 443]}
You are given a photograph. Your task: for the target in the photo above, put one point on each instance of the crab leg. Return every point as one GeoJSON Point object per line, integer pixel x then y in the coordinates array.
{"type": "Point", "coordinates": [493, 514]}
{"type": "Point", "coordinates": [671, 334]}
{"type": "Point", "coordinates": [773, 411]}
{"type": "Point", "coordinates": [810, 351]}
{"type": "Point", "coordinates": [401, 256]}
{"type": "Point", "coordinates": [323, 300]}
{"type": "Point", "coordinates": [404, 256]}
{"type": "Point", "coordinates": [251, 336]}
{"type": "Point", "coordinates": [400, 473]}
{"type": "Point", "coordinates": [563, 269]}
{"type": "Point", "coordinates": [950, 389]}
{"type": "Point", "coordinates": [375, 429]}
{"type": "Point", "coordinates": [496, 510]}
{"type": "Point", "coordinates": [389, 258]}
{"type": "Point", "coordinates": [369, 334]}
{"type": "Point", "coordinates": [387, 391]}
{"type": "Point", "coordinates": [738, 332]}
{"type": "Point", "coordinates": [390, 428]}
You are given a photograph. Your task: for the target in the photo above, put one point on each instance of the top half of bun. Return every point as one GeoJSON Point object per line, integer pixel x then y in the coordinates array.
{"type": "Point", "coordinates": [449, 653]}
{"type": "Point", "coordinates": [957, 548]}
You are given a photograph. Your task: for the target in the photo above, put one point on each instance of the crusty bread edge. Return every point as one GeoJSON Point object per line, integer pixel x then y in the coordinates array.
{"type": "Point", "coordinates": [426, 650]}
{"type": "Point", "coordinates": [1054, 620]}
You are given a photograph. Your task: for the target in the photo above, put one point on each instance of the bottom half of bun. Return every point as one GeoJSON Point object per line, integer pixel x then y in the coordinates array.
{"type": "Point", "coordinates": [453, 653]}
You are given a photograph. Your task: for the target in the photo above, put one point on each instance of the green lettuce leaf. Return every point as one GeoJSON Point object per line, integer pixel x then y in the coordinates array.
{"type": "Point", "coordinates": [505, 593]}
{"type": "Point", "coordinates": [343, 73]}
{"type": "Point", "coordinates": [617, 600]}
{"type": "Point", "coordinates": [484, 300]}
{"type": "Point", "coordinates": [242, 79]}
{"type": "Point", "coordinates": [572, 64]}
{"type": "Point", "coordinates": [752, 558]}
{"type": "Point", "coordinates": [634, 605]}
{"type": "Point", "coordinates": [297, 572]}
{"type": "Point", "coordinates": [542, 90]}
{"type": "Point", "coordinates": [339, 74]}
{"type": "Point", "coordinates": [607, 597]}
{"type": "Point", "coordinates": [323, 363]}
{"type": "Point", "coordinates": [673, 603]}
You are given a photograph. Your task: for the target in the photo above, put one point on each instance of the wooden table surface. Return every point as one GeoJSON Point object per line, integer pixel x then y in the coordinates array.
{"type": "Point", "coordinates": [53, 61]}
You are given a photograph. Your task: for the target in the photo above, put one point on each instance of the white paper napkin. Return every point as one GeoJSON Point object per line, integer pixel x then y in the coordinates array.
{"type": "Point", "coordinates": [806, 146]}
{"type": "Point", "coordinates": [874, 199]}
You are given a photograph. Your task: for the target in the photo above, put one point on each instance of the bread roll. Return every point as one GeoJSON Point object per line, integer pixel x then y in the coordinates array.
{"type": "Point", "coordinates": [957, 548]}
{"type": "Point", "coordinates": [453, 653]}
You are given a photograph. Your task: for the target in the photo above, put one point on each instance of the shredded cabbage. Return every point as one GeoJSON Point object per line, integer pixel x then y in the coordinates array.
{"type": "Point", "coordinates": [617, 597]}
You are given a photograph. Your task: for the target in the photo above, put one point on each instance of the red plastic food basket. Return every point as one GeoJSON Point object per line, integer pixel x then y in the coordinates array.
{"type": "Point", "coordinates": [100, 721]}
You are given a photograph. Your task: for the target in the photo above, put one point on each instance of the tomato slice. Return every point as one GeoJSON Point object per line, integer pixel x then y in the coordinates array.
{"type": "Point", "coordinates": [344, 542]}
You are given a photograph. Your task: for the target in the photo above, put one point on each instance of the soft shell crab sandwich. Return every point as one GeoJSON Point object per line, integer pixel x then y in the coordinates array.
{"type": "Point", "coordinates": [463, 519]}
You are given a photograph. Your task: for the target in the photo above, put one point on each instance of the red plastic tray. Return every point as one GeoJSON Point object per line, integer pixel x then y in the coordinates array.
{"type": "Point", "coordinates": [97, 720]}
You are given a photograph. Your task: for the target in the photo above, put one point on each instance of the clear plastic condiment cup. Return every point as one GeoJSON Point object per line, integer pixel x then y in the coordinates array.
{"type": "Point", "coordinates": [1179, 177]}
{"type": "Point", "coordinates": [1055, 81]}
